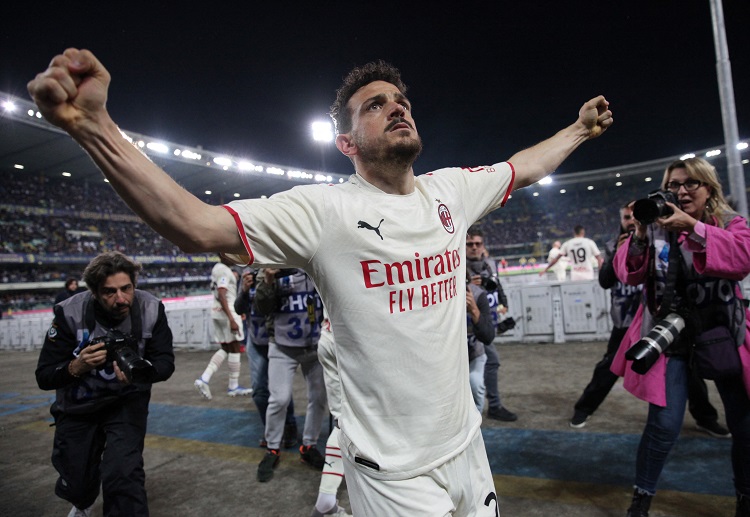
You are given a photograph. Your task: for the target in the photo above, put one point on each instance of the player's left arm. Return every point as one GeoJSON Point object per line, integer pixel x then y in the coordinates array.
{"type": "Point", "coordinates": [537, 162]}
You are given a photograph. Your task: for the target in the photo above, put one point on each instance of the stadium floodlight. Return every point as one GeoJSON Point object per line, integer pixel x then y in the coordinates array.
{"type": "Point", "coordinates": [618, 184]}
{"type": "Point", "coordinates": [18, 166]}
{"type": "Point", "coordinates": [299, 174]}
{"type": "Point", "coordinates": [223, 161]}
{"type": "Point", "coordinates": [275, 170]}
{"type": "Point", "coordinates": [236, 194]}
{"type": "Point", "coordinates": [711, 154]}
{"type": "Point", "coordinates": [9, 106]}
{"type": "Point", "coordinates": [687, 156]}
{"type": "Point", "coordinates": [157, 147]}
{"type": "Point", "coordinates": [546, 181]}
{"type": "Point", "coordinates": [322, 132]}
{"type": "Point", "coordinates": [208, 192]}
{"type": "Point", "coordinates": [249, 166]}
{"type": "Point", "coordinates": [536, 194]}
{"type": "Point", "coordinates": [190, 155]}
{"type": "Point", "coordinates": [67, 174]}
{"type": "Point", "coordinates": [742, 146]}
{"type": "Point", "coordinates": [563, 191]}
{"type": "Point", "coordinates": [590, 187]}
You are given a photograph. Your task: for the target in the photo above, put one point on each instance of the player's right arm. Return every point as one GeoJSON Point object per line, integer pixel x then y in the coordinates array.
{"type": "Point", "coordinates": [71, 94]}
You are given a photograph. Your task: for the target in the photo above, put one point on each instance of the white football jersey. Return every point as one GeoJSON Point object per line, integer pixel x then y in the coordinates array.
{"type": "Point", "coordinates": [581, 251]}
{"type": "Point", "coordinates": [391, 270]}
{"type": "Point", "coordinates": [222, 276]}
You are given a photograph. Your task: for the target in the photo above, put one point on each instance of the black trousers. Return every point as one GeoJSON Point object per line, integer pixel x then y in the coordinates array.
{"type": "Point", "coordinates": [104, 448]}
{"type": "Point", "coordinates": [603, 379]}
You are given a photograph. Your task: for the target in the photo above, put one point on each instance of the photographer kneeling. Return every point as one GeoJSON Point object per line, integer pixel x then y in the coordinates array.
{"type": "Point", "coordinates": [103, 351]}
{"type": "Point", "coordinates": [691, 257]}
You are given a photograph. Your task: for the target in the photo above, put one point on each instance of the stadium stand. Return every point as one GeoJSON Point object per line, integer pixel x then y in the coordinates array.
{"type": "Point", "coordinates": [52, 224]}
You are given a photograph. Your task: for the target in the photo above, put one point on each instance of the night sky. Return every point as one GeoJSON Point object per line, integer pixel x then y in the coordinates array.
{"type": "Point", "coordinates": [485, 78]}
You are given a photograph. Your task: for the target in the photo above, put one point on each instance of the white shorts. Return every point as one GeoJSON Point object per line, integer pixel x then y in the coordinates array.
{"type": "Point", "coordinates": [581, 274]}
{"type": "Point", "coordinates": [222, 332]}
{"type": "Point", "coordinates": [461, 487]}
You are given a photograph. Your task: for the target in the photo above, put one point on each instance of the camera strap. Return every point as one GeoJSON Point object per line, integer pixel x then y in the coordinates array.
{"type": "Point", "coordinates": [673, 269]}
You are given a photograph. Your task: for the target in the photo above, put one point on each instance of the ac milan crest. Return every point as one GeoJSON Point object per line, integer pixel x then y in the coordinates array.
{"type": "Point", "coordinates": [445, 218]}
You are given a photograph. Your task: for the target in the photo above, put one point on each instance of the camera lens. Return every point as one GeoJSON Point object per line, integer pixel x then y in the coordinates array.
{"type": "Point", "coordinates": [646, 211]}
{"type": "Point", "coordinates": [648, 349]}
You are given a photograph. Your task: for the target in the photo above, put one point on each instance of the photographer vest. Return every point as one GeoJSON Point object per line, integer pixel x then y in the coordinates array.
{"type": "Point", "coordinates": [100, 387]}
{"type": "Point", "coordinates": [625, 298]}
{"type": "Point", "coordinates": [705, 302]}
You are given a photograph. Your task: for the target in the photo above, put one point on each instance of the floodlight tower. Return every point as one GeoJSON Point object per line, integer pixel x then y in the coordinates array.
{"type": "Point", "coordinates": [728, 111]}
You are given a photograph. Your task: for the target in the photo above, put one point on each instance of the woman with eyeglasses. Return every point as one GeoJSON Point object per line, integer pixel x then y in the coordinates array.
{"type": "Point", "coordinates": [699, 281]}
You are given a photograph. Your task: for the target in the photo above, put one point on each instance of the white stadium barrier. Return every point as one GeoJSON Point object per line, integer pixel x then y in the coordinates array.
{"type": "Point", "coordinates": [544, 312]}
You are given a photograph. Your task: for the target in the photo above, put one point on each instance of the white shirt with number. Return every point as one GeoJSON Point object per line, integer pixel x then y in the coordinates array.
{"type": "Point", "coordinates": [581, 251]}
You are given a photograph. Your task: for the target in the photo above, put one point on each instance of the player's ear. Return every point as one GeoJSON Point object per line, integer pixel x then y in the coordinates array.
{"type": "Point", "coordinates": [345, 144]}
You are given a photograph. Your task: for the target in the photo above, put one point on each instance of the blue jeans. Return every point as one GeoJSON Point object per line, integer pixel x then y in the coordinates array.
{"type": "Point", "coordinates": [664, 423]}
{"type": "Point", "coordinates": [476, 380]}
{"type": "Point", "coordinates": [258, 357]}
{"type": "Point", "coordinates": [490, 377]}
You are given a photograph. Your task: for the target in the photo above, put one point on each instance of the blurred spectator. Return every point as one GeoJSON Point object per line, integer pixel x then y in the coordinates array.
{"type": "Point", "coordinates": [71, 288]}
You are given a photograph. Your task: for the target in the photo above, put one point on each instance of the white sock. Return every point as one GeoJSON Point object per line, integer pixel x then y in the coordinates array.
{"type": "Point", "coordinates": [333, 473]}
{"type": "Point", "coordinates": [233, 363]}
{"type": "Point", "coordinates": [216, 360]}
{"type": "Point", "coordinates": [325, 502]}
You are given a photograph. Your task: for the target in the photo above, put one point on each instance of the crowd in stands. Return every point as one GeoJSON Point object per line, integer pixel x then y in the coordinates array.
{"type": "Point", "coordinates": [73, 221]}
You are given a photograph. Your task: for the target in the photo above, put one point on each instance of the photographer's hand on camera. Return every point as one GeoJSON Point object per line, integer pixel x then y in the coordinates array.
{"type": "Point", "coordinates": [471, 306]}
{"type": "Point", "coordinates": [120, 374]}
{"type": "Point", "coordinates": [248, 281]}
{"type": "Point", "coordinates": [678, 222]}
{"type": "Point", "coordinates": [90, 358]}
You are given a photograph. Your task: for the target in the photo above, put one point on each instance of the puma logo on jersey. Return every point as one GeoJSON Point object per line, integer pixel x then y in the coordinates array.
{"type": "Point", "coordinates": [368, 226]}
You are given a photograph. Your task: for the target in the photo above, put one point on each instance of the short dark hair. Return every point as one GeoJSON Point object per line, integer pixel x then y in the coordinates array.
{"type": "Point", "coordinates": [356, 79]}
{"type": "Point", "coordinates": [578, 229]}
{"type": "Point", "coordinates": [69, 281]}
{"type": "Point", "coordinates": [475, 231]}
{"type": "Point", "coordinates": [106, 265]}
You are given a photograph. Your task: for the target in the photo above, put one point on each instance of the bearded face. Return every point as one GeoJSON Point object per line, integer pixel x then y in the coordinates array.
{"type": "Point", "coordinates": [401, 147]}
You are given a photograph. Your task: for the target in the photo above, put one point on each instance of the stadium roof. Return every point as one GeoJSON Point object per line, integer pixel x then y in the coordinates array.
{"type": "Point", "coordinates": [29, 143]}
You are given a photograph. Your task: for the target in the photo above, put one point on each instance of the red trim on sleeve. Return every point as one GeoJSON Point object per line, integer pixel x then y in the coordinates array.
{"type": "Point", "coordinates": [241, 230]}
{"type": "Point", "coordinates": [510, 186]}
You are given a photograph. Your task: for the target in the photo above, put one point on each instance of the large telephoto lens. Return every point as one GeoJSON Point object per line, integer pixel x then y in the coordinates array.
{"type": "Point", "coordinates": [648, 349]}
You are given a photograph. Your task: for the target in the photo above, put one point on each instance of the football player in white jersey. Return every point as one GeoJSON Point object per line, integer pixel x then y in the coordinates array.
{"type": "Point", "coordinates": [226, 330]}
{"type": "Point", "coordinates": [581, 251]}
{"type": "Point", "coordinates": [387, 253]}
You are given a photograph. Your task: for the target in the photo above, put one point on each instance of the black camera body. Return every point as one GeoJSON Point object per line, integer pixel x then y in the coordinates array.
{"type": "Point", "coordinates": [647, 350]}
{"type": "Point", "coordinates": [489, 282]}
{"type": "Point", "coordinates": [506, 325]}
{"type": "Point", "coordinates": [648, 210]}
{"type": "Point", "coordinates": [123, 348]}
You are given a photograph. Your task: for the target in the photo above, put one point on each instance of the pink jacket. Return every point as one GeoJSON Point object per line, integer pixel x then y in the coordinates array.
{"type": "Point", "coordinates": [726, 255]}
